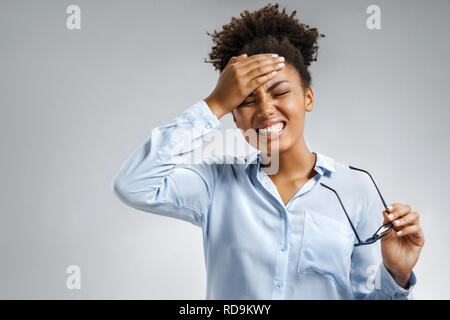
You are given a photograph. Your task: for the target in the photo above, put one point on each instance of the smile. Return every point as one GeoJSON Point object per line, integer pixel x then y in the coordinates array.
{"type": "Point", "coordinates": [273, 131]}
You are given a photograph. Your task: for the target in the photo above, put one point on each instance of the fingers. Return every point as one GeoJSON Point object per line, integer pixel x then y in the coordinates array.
{"type": "Point", "coordinates": [255, 83]}
{"type": "Point", "coordinates": [397, 210]}
{"type": "Point", "coordinates": [414, 233]}
{"type": "Point", "coordinates": [259, 69]}
{"type": "Point", "coordinates": [409, 230]}
{"type": "Point", "coordinates": [411, 218]}
{"type": "Point", "coordinates": [244, 74]}
{"type": "Point", "coordinates": [244, 64]}
{"type": "Point", "coordinates": [241, 57]}
{"type": "Point", "coordinates": [385, 215]}
{"type": "Point", "coordinates": [236, 59]}
{"type": "Point", "coordinates": [248, 69]}
{"type": "Point", "coordinates": [405, 221]}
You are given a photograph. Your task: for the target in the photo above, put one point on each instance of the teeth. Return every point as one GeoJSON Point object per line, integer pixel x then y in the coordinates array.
{"type": "Point", "coordinates": [272, 129]}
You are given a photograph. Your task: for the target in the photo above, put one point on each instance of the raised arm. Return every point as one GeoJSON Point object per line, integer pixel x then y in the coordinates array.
{"type": "Point", "coordinates": [153, 178]}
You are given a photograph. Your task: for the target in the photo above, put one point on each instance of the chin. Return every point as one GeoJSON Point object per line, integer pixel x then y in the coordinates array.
{"type": "Point", "coordinates": [274, 147]}
{"type": "Point", "coordinates": [269, 146]}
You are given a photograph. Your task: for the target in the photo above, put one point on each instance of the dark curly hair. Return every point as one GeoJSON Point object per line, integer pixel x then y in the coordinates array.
{"type": "Point", "coordinates": [267, 30]}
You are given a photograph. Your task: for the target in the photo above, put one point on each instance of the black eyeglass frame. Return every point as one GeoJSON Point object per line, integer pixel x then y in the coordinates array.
{"type": "Point", "coordinates": [376, 236]}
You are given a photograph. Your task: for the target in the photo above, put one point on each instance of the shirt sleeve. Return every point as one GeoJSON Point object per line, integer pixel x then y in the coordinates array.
{"type": "Point", "coordinates": [155, 178]}
{"type": "Point", "coordinates": [369, 277]}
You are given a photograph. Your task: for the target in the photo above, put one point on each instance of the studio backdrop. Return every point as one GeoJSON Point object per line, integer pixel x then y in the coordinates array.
{"type": "Point", "coordinates": [83, 83]}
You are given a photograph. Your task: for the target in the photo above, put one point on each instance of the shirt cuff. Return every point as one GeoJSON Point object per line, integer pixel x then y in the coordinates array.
{"type": "Point", "coordinates": [201, 117]}
{"type": "Point", "coordinates": [391, 287]}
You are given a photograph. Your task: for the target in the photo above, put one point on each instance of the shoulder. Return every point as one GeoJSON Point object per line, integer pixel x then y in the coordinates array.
{"type": "Point", "coordinates": [355, 179]}
{"type": "Point", "coordinates": [359, 176]}
{"type": "Point", "coordinates": [361, 193]}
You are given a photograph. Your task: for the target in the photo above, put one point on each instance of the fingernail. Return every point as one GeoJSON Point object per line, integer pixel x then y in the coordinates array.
{"type": "Point", "coordinates": [390, 216]}
{"type": "Point", "coordinates": [274, 55]}
{"type": "Point", "coordinates": [390, 208]}
{"type": "Point", "coordinates": [280, 59]}
{"type": "Point", "coordinates": [399, 232]}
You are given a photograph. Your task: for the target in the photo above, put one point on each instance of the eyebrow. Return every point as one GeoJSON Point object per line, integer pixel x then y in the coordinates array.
{"type": "Point", "coordinates": [276, 84]}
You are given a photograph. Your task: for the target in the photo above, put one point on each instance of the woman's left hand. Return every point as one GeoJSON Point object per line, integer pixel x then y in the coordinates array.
{"type": "Point", "coordinates": [401, 248]}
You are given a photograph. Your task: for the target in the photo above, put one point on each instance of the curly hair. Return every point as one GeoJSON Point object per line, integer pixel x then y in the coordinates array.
{"type": "Point", "coordinates": [267, 30]}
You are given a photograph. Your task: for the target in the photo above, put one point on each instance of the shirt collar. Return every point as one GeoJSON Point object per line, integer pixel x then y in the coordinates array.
{"type": "Point", "coordinates": [323, 162]}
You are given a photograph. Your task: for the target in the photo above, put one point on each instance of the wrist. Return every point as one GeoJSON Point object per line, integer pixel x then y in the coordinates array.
{"type": "Point", "coordinates": [401, 279]}
{"type": "Point", "coordinates": [215, 107]}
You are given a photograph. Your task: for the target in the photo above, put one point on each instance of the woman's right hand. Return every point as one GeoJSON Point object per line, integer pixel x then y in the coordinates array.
{"type": "Point", "coordinates": [240, 77]}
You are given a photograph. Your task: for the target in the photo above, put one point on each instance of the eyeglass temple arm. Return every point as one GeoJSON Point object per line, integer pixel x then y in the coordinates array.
{"type": "Point", "coordinates": [382, 199]}
{"type": "Point", "coordinates": [378, 190]}
{"type": "Point", "coordinates": [345, 211]}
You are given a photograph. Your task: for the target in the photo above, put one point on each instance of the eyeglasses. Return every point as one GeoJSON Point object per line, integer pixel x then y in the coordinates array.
{"type": "Point", "coordinates": [381, 232]}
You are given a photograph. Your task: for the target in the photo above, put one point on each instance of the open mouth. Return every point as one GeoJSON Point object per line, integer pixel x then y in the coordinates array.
{"type": "Point", "coordinates": [272, 131]}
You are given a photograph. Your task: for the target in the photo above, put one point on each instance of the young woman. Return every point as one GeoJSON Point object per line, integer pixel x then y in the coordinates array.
{"type": "Point", "coordinates": [298, 233]}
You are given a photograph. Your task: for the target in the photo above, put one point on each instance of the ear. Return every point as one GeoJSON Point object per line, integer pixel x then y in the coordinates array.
{"type": "Point", "coordinates": [309, 100]}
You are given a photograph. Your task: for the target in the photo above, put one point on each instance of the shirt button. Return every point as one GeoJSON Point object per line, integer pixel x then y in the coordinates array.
{"type": "Point", "coordinates": [279, 284]}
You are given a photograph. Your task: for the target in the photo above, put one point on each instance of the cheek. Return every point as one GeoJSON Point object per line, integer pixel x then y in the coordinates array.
{"type": "Point", "coordinates": [295, 114]}
{"type": "Point", "coordinates": [294, 111]}
{"type": "Point", "coordinates": [243, 118]}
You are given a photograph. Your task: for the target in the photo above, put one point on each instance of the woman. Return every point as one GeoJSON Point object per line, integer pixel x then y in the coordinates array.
{"type": "Point", "coordinates": [290, 234]}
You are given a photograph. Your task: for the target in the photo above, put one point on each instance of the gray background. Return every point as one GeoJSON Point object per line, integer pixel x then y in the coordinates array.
{"type": "Point", "coordinates": [75, 104]}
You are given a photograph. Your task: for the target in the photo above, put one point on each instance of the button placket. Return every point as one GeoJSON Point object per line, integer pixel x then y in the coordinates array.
{"type": "Point", "coordinates": [279, 284]}
{"type": "Point", "coordinates": [271, 189]}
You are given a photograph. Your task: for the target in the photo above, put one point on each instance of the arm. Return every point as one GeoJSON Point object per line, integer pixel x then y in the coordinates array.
{"type": "Point", "coordinates": [151, 179]}
{"type": "Point", "coordinates": [369, 276]}
{"type": "Point", "coordinates": [154, 179]}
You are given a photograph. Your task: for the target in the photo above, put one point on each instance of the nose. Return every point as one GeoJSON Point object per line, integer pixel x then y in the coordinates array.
{"type": "Point", "coordinates": [265, 108]}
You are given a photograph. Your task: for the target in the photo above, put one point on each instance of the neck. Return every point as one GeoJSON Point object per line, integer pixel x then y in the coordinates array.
{"type": "Point", "coordinates": [297, 162]}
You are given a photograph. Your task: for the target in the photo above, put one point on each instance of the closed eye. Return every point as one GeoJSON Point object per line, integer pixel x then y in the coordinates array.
{"type": "Point", "coordinates": [280, 94]}
{"type": "Point", "coordinates": [276, 95]}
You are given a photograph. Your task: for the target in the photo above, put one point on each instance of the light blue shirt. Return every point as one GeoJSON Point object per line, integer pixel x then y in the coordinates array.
{"type": "Point", "coordinates": [255, 247]}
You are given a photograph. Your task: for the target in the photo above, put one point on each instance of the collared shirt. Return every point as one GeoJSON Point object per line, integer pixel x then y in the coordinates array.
{"type": "Point", "coordinates": [255, 246]}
